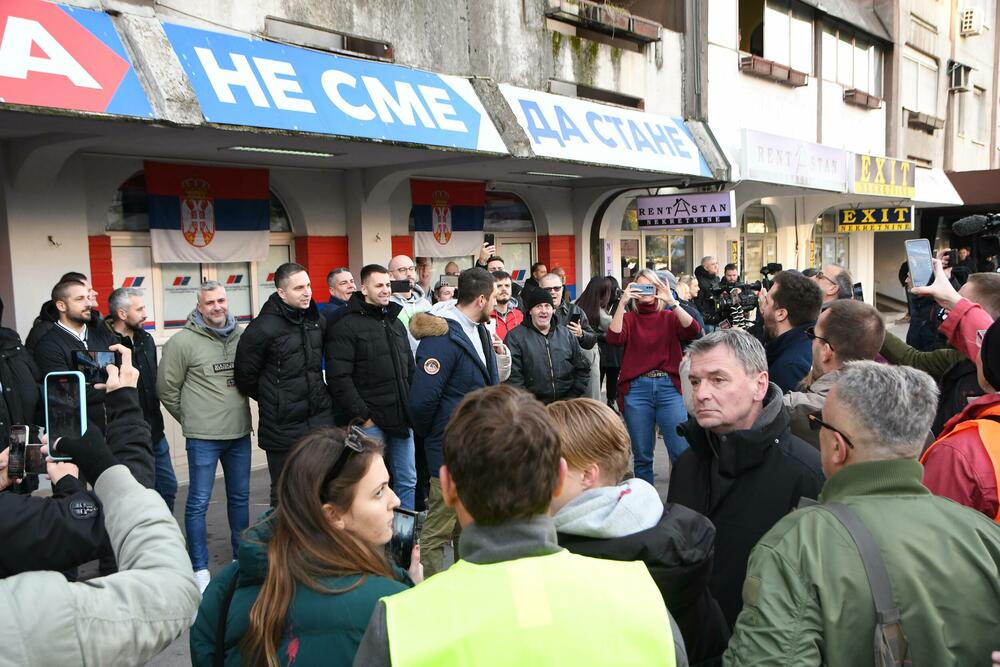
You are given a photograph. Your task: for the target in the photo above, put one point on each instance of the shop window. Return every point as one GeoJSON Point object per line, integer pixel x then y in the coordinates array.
{"type": "Point", "coordinates": [829, 247]}
{"type": "Point", "coordinates": [759, 240]}
{"type": "Point", "coordinates": [662, 249]}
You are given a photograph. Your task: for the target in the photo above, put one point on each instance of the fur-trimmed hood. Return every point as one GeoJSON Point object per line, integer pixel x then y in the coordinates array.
{"type": "Point", "coordinates": [425, 325]}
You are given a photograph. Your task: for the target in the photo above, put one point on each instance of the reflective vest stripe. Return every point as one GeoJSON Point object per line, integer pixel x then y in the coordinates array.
{"type": "Point", "coordinates": [989, 436]}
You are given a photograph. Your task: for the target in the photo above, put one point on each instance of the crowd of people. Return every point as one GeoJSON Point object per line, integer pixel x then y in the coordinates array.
{"type": "Point", "coordinates": [832, 496]}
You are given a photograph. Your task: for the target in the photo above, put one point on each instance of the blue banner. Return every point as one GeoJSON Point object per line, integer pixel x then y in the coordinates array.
{"type": "Point", "coordinates": [241, 81]}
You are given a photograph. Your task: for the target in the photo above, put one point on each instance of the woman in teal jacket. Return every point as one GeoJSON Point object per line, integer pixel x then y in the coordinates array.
{"type": "Point", "coordinates": [309, 574]}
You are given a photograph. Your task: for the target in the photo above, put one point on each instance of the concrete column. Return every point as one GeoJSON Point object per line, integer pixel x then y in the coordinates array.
{"type": "Point", "coordinates": [369, 223]}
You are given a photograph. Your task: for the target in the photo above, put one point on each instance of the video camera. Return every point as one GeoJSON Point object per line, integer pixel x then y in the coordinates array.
{"type": "Point", "coordinates": [716, 305]}
{"type": "Point", "coordinates": [985, 233]}
{"type": "Point", "coordinates": [767, 274]}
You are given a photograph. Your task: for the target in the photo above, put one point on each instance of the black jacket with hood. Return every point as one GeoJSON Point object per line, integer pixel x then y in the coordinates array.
{"type": "Point", "coordinates": [744, 481]}
{"type": "Point", "coordinates": [48, 315]}
{"type": "Point", "coordinates": [369, 366]}
{"type": "Point", "coordinates": [279, 363]}
{"type": "Point", "coordinates": [552, 367]}
{"type": "Point", "coordinates": [678, 551]}
{"type": "Point", "coordinates": [20, 398]}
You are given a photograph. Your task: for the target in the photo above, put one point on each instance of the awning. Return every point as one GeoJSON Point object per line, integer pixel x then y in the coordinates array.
{"type": "Point", "coordinates": [933, 188]}
{"type": "Point", "coordinates": [977, 188]}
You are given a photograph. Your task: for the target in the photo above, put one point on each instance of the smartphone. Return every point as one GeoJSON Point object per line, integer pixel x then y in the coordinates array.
{"type": "Point", "coordinates": [65, 408]}
{"type": "Point", "coordinates": [645, 289]}
{"type": "Point", "coordinates": [406, 526]}
{"type": "Point", "coordinates": [859, 292]}
{"type": "Point", "coordinates": [17, 441]}
{"type": "Point", "coordinates": [918, 255]}
{"type": "Point", "coordinates": [34, 460]}
{"type": "Point", "coordinates": [575, 318]}
{"type": "Point", "coordinates": [400, 286]}
{"type": "Point", "coordinates": [94, 364]}
{"type": "Point", "coordinates": [489, 239]}
{"type": "Point", "coordinates": [448, 279]}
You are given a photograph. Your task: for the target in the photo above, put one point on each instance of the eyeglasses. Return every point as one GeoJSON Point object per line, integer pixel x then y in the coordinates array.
{"type": "Point", "coordinates": [815, 423]}
{"type": "Point", "coordinates": [553, 289]}
{"type": "Point", "coordinates": [827, 278]}
{"type": "Point", "coordinates": [811, 334]}
{"type": "Point", "coordinates": [353, 443]}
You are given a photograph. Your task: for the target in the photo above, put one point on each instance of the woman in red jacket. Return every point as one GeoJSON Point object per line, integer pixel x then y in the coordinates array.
{"type": "Point", "coordinates": [649, 389]}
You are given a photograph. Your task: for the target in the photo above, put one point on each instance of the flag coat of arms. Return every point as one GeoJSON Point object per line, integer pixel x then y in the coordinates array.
{"type": "Point", "coordinates": [207, 214]}
{"type": "Point", "coordinates": [448, 217]}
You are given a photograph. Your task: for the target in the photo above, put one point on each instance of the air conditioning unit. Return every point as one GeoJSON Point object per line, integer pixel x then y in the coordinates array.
{"type": "Point", "coordinates": [960, 78]}
{"type": "Point", "coordinates": [971, 22]}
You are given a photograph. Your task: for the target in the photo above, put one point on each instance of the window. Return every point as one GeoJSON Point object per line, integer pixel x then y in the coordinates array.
{"type": "Point", "coordinates": [852, 61]}
{"type": "Point", "coordinates": [980, 115]}
{"type": "Point", "coordinates": [829, 247]}
{"type": "Point", "coordinates": [920, 82]}
{"type": "Point", "coordinates": [788, 37]}
{"type": "Point", "coordinates": [171, 290]}
{"type": "Point", "coordinates": [759, 240]}
{"type": "Point", "coordinates": [671, 249]}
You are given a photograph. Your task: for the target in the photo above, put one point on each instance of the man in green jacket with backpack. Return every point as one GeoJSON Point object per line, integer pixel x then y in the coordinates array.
{"type": "Point", "coordinates": [810, 595]}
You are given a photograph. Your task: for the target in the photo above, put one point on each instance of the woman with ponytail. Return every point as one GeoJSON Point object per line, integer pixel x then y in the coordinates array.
{"type": "Point", "coordinates": [309, 574]}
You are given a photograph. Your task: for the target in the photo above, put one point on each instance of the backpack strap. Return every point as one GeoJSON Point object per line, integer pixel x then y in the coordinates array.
{"type": "Point", "coordinates": [219, 659]}
{"type": "Point", "coordinates": [889, 628]}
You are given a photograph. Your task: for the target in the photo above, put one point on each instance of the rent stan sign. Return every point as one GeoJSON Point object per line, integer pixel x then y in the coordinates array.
{"type": "Point", "coordinates": [714, 209]}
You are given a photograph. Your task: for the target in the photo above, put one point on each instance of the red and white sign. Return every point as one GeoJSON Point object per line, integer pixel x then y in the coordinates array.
{"type": "Point", "coordinates": [48, 58]}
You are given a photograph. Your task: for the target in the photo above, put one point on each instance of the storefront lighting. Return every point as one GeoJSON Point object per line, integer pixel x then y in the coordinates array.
{"type": "Point", "coordinates": [551, 174]}
{"type": "Point", "coordinates": [280, 151]}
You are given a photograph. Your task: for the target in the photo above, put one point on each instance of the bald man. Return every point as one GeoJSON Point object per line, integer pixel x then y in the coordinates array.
{"type": "Point", "coordinates": [834, 282]}
{"type": "Point", "coordinates": [413, 300]}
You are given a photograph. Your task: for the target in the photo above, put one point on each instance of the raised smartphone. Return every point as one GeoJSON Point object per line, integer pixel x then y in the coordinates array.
{"type": "Point", "coordinates": [65, 408]}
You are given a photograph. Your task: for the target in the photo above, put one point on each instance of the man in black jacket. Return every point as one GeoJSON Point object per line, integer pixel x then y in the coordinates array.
{"type": "Point", "coordinates": [76, 330]}
{"type": "Point", "coordinates": [67, 529]}
{"type": "Point", "coordinates": [569, 314]}
{"type": "Point", "coordinates": [369, 368]}
{"type": "Point", "coordinates": [127, 315]}
{"type": "Point", "coordinates": [48, 315]}
{"type": "Point", "coordinates": [546, 358]}
{"type": "Point", "coordinates": [279, 363]}
{"type": "Point", "coordinates": [19, 378]}
{"type": "Point", "coordinates": [744, 469]}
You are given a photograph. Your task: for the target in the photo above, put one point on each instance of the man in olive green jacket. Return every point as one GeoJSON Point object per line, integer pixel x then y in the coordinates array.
{"type": "Point", "coordinates": [196, 385]}
{"type": "Point", "coordinates": [807, 599]}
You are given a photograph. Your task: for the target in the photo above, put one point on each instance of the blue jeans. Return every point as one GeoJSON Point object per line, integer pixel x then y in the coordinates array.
{"type": "Point", "coordinates": [652, 401]}
{"type": "Point", "coordinates": [165, 480]}
{"type": "Point", "coordinates": [402, 464]}
{"type": "Point", "coordinates": [203, 460]}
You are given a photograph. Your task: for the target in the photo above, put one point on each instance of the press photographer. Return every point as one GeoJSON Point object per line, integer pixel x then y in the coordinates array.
{"type": "Point", "coordinates": [728, 304]}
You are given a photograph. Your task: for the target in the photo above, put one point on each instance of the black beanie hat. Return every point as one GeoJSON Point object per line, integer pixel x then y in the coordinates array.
{"type": "Point", "coordinates": [990, 351]}
{"type": "Point", "coordinates": [534, 296]}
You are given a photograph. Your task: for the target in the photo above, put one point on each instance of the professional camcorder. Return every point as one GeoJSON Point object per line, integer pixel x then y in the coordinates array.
{"type": "Point", "coordinates": [985, 233]}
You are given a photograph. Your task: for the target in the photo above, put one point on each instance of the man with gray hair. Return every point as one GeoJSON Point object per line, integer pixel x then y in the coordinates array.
{"type": "Point", "coordinates": [197, 386]}
{"type": "Point", "coordinates": [744, 469]}
{"type": "Point", "coordinates": [127, 315]}
{"type": "Point", "coordinates": [835, 282]}
{"type": "Point", "coordinates": [808, 599]}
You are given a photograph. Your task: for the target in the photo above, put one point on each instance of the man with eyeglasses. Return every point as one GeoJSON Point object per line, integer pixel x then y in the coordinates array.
{"type": "Point", "coordinates": [807, 599]}
{"type": "Point", "coordinates": [744, 469]}
{"type": "Point", "coordinates": [413, 300]}
{"type": "Point", "coordinates": [835, 283]}
{"type": "Point", "coordinates": [846, 331]}
{"type": "Point", "coordinates": [568, 314]}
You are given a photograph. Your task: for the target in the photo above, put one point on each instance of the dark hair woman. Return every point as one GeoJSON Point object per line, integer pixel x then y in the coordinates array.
{"type": "Point", "coordinates": [309, 574]}
{"type": "Point", "coordinates": [594, 303]}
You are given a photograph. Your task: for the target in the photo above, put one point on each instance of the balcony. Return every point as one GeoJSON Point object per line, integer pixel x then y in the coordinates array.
{"type": "Point", "coordinates": [768, 69]}
{"type": "Point", "coordinates": [606, 19]}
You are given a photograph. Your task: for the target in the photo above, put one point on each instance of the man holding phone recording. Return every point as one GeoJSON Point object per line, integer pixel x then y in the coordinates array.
{"type": "Point", "coordinates": [76, 331]}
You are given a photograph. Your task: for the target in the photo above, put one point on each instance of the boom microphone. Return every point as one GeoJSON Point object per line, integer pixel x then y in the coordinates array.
{"type": "Point", "coordinates": [969, 225]}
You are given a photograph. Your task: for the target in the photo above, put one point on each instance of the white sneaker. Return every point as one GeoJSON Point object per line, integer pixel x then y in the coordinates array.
{"type": "Point", "coordinates": [202, 577]}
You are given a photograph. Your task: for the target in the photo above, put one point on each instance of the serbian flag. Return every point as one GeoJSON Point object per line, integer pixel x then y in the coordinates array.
{"type": "Point", "coordinates": [448, 217]}
{"type": "Point", "coordinates": [207, 214]}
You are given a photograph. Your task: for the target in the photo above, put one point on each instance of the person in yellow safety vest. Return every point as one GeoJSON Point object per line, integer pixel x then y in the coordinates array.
{"type": "Point", "coordinates": [516, 597]}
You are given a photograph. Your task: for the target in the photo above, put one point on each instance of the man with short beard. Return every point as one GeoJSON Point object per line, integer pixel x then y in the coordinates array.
{"type": "Point", "coordinates": [127, 315]}
{"type": "Point", "coordinates": [847, 330]}
{"type": "Point", "coordinates": [76, 330]}
{"type": "Point", "coordinates": [49, 314]}
{"type": "Point", "coordinates": [506, 316]}
{"type": "Point", "coordinates": [787, 309]}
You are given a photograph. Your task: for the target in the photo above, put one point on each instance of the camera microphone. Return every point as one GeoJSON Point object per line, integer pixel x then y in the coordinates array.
{"type": "Point", "coordinates": [969, 225]}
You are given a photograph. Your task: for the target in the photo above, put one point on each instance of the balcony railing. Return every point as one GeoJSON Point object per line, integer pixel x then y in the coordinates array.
{"type": "Point", "coordinates": [606, 19]}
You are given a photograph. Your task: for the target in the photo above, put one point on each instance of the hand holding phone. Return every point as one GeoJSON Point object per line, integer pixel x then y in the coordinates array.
{"type": "Point", "coordinates": [918, 257]}
{"type": "Point", "coordinates": [66, 405]}
{"type": "Point", "coordinates": [17, 443]}
{"type": "Point", "coordinates": [643, 289]}
{"type": "Point", "coordinates": [406, 527]}
{"type": "Point", "coordinates": [123, 375]}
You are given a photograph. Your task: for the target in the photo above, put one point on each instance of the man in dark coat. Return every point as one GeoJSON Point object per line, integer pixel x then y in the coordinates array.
{"type": "Point", "coordinates": [455, 356]}
{"type": "Point", "coordinates": [369, 367]}
{"type": "Point", "coordinates": [279, 364]}
{"type": "Point", "coordinates": [787, 309]}
{"type": "Point", "coordinates": [340, 281]}
{"type": "Point", "coordinates": [546, 358]}
{"type": "Point", "coordinates": [76, 330]}
{"type": "Point", "coordinates": [20, 401]}
{"type": "Point", "coordinates": [127, 315]}
{"type": "Point", "coordinates": [48, 315]}
{"type": "Point", "coordinates": [744, 469]}
{"type": "Point", "coordinates": [708, 278]}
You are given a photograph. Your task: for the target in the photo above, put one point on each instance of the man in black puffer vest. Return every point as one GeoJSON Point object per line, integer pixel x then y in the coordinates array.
{"type": "Point", "coordinates": [369, 368]}
{"type": "Point", "coordinates": [279, 365]}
